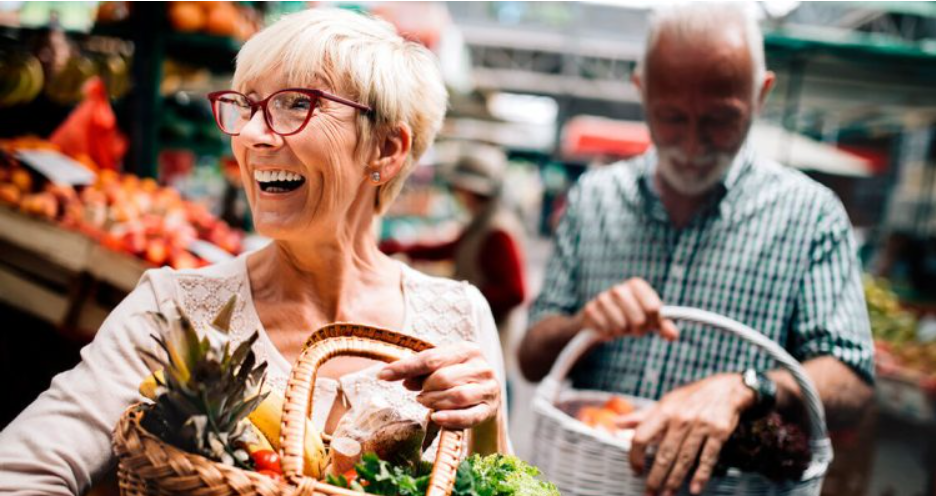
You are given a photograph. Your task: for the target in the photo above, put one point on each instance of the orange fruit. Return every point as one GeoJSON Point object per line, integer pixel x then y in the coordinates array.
{"type": "Point", "coordinates": [619, 405]}
{"type": "Point", "coordinates": [223, 20]}
{"type": "Point", "coordinates": [588, 415]}
{"type": "Point", "coordinates": [186, 17]}
{"type": "Point", "coordinates": [22, 180]}
{"type": "Point", "coordinates": [607, 419]}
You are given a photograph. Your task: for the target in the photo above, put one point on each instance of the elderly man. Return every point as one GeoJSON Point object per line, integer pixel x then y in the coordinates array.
{"type": "Point", "coordinates": [701, 221]}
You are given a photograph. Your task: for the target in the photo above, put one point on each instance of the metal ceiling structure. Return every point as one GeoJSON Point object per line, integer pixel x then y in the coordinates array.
{"type": "Point", "coordinates": [839, 64]}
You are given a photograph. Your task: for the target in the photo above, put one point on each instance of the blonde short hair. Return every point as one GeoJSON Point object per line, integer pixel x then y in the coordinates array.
{"type": "Point", "coordinates": [362, 58]}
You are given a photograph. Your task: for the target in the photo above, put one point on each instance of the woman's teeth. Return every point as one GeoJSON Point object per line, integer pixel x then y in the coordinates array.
{"type": "Point", "coordinates": [278, 181]}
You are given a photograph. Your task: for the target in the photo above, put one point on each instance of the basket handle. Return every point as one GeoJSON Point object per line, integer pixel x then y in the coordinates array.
{"type": "Point", "coordinates": [362, 341]}
{"type": "Point", "coordinates": [582, 342]}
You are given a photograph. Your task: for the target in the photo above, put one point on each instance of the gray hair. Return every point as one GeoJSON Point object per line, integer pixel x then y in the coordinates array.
{"type": "Point", "coordinates": [698, 20]}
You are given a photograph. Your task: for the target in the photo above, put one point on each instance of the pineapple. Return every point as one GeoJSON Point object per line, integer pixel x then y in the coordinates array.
{"type": "Point", "coordinates": [206, 391]}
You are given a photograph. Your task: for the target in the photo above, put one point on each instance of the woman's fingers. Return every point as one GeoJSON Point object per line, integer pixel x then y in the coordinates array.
{"type": "Point", "coordinates": [464, 418]}
{"type": "Point", "coordinates": [456, 381]}
{"type": "Point", "coordinates": [414, 383]}
{"type": "Point", "coordinates": [426, 362]}
{"type": "Point", "coordinates": [453, 376]}
{"type": "Point", "coordinates": [460, 397]}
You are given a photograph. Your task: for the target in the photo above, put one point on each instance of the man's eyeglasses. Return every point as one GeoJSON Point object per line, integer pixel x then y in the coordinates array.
{"type": "Point", "coordinates": [286, 112]}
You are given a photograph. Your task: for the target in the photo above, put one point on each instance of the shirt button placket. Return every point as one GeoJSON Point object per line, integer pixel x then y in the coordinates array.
{"type": "Point", "coordinates": [670, 295]}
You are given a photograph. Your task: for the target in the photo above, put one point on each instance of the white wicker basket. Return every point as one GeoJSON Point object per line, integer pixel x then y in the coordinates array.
{"type": "Point", "coordinates": [583, 461]}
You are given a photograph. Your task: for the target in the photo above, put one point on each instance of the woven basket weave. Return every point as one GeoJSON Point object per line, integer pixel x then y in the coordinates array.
{"type": "Point", "coordinates": [149, 467]}
{"type": "Point", "coordinates": [582, 461]}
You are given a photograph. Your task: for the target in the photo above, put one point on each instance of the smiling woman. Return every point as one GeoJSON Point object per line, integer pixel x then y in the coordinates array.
{"type": "Point", "coordinates": [329, 112]}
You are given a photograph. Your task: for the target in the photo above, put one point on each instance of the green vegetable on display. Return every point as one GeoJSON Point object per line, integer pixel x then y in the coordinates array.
{"type": "Point", "coordinates": [493, 475]}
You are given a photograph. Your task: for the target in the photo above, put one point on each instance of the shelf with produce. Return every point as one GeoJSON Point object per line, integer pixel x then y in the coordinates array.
{"type": "Point", "coordinates": [905, 362]}
{"type": "Point", "coordinates": [77, 250]}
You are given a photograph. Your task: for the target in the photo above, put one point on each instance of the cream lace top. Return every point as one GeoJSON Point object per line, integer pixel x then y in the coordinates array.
{"type": "Point", "coordinates": [62, 442]}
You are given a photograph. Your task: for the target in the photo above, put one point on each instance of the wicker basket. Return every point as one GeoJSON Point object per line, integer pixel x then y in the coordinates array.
{"type": "Point", "coordinates": [583, 461]}
{"type": "Point", "coordinates": [148, 466]}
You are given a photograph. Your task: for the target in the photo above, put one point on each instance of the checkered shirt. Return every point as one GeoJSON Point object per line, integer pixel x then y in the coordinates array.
{"type": "Point", "coordinates": [772, 249]}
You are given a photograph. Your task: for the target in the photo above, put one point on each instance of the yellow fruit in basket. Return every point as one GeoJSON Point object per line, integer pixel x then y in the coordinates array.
{"type": "Point", "coordinates": [267, 417]}
{"type": "Point", "coordinates": [149, 385]}
{"type": "Point", "coordinates": [265, 421]}
{"type": "Point", "coordinates": [262, 442]}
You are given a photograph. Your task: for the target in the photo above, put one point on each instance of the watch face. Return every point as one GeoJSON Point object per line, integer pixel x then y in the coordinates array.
{"type": "Point", "coordinates": [751, 380]}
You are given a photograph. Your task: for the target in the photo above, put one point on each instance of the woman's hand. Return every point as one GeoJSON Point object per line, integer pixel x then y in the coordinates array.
{"type": "Point", "coordinates": [456, 382]}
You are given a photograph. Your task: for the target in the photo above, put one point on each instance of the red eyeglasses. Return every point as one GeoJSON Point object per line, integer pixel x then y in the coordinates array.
{"type": "Point", "coordinates": [286, 112]}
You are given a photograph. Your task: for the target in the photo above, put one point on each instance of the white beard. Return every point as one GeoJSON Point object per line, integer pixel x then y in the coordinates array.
{"type": "Point", "coordinates": [702, 174]}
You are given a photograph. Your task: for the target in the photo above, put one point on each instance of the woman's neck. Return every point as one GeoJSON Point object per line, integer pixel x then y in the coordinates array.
{"type": "Point", "coordinates": [328, 272]}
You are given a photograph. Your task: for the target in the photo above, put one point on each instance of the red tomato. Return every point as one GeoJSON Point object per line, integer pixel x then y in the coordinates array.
{"type": "Point", "coordinates": [350, 475]}
{"type": "Point", "coordinates": [267, 460]}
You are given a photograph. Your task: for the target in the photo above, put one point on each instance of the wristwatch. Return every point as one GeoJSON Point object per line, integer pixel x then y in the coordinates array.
{"type": "Point", "coordinates": [765, 391]}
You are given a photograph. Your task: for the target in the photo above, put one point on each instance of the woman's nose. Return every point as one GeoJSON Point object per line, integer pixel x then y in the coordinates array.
{"type": "Point", "coordinates": [257, 133]}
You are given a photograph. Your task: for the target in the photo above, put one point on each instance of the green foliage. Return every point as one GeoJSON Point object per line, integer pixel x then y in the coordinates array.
{"type": "Point", "coordinates": [493, 475]}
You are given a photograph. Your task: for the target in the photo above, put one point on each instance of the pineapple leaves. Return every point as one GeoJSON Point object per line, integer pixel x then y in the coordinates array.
{"type": "Point", "coordinates": [222, 321]}
{"type": "Point", "coordinates": [207, 391]}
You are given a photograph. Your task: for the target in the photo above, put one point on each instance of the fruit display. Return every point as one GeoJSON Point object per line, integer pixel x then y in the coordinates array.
{"type": "Point", "coordinates": [21, 78]}
{"type": "Point", "coordinates": [121, 211]}
{"type": "Point", "coordinates": [898, 352]}
{"type": "Point", "coordinates": [217, 18]}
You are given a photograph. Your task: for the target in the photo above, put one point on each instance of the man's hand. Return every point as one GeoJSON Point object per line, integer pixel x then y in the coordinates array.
{"type": "Point", "coordinates": [631, 308]}
{"type": "Point", "coordinates": [690, 424]}
{"type": "Point", "coordinates": [456, 381]}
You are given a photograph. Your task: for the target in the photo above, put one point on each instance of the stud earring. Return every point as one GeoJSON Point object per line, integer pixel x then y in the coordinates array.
{"type": "Point", "coordinates": [375, 176]}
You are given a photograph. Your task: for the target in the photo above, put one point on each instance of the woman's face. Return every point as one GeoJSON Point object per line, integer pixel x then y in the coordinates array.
{"type": "Point", "coordinates": [305, 181]}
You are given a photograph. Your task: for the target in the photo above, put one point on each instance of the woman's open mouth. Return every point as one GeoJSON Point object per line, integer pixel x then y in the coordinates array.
{"type": "Point", "coordinates": [278, 181]}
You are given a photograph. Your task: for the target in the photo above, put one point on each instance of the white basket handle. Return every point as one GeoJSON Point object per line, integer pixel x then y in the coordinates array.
{"type": "Point", "coordinates": [584, 341]}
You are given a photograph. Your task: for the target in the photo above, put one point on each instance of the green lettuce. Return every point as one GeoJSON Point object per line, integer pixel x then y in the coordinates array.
{"type": "Point", "coordinates": [492, 475]}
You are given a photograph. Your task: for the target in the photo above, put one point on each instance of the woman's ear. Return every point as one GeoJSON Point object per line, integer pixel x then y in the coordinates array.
{"type": "Point", "coordinates": [391, 153]}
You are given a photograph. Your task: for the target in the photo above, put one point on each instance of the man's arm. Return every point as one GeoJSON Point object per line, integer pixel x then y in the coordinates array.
{"type": "Point", "coordinates": [543, 343]}
{"type": "Point", "coordinates": [830, 332]}
{"type": "Point", "coordinates": [631, 308]}
{"type": "Point", "coordinates": [842, 392]}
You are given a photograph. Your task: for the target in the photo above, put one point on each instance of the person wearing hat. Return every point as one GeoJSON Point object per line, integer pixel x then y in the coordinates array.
{"type": "Point", "coordinates": [488, 253]}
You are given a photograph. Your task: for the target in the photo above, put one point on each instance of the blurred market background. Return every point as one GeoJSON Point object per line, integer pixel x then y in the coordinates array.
{"type": "Point", "coordinates": [110, 163]}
